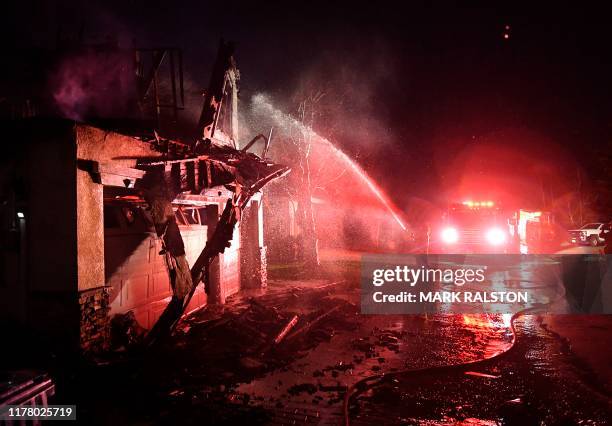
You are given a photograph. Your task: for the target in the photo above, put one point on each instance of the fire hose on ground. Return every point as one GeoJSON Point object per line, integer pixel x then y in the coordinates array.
{"type": "Point", "coordinates": [371, 381]}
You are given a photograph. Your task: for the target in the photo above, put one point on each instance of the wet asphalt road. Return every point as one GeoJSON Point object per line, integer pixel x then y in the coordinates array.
{"type": "Point", "coordinates": [539, 380]}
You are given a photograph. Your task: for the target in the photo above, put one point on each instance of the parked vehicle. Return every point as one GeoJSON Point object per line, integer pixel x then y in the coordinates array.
{"type": "Point", "coordinates": [589, 234]}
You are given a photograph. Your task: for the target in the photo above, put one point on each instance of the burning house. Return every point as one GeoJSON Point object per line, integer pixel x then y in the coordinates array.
{"type": "Point", "coordinates": [99, 222]}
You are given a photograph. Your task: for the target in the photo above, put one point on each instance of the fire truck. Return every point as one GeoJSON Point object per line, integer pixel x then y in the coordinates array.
{"type": "Point", "coordinates": [485, 227]}
{"type": "Point", "coordinates": [475, 227]}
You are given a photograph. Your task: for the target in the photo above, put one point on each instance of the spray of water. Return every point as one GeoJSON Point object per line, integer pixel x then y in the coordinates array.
{"type": "Point", "coordinates": [264, 104]}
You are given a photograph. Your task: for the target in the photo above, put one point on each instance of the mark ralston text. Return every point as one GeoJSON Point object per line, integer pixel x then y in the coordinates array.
{"type": "Point", "coordinates": [452, 297]}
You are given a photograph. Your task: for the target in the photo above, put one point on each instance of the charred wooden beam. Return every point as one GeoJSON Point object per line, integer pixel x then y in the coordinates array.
{"type": "Point", "coordinates": [220, 240]}
{"type": "Point", "coordinates": [214, 95]}
{"type": "Point", "coordinates": [159, 192]}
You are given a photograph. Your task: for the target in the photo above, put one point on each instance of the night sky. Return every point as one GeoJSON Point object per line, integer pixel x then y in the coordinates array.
{"type": "Point", "coordinates": [433, 89]}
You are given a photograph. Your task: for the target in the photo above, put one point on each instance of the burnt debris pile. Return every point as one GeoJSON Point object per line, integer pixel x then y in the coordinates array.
{"type": "Point", "coordinates": [246, 342]}
{"type": "Point", "coordinates": [260, 337]}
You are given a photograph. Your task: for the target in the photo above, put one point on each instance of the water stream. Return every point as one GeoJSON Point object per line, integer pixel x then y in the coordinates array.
{"type": "Point", "coordinates": [263, 104]}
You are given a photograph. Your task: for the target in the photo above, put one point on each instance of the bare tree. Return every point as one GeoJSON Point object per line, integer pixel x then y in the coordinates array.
{"type": "Point", "coordinates": [577, 206]}
{"type": "Point", "coordinates": [295, 143]}
{"type": "Point", "coordinates": [302, 139]}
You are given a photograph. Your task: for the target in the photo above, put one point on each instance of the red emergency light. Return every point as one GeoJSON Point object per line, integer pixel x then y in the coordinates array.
{"type": "Point", "coordinates": [478, 204]}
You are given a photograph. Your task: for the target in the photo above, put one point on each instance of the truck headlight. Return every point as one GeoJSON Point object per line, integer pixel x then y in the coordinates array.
{"type": "Point", "coordinates": [449, 235]}
{"type": "Point", "coordinates": [496, 236]}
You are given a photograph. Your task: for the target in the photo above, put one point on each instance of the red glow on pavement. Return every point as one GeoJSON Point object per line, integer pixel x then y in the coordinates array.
{"type": "Point", "coordinates": [487, 321]}
{"type": "Point", "coordinates": [477, 321]}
